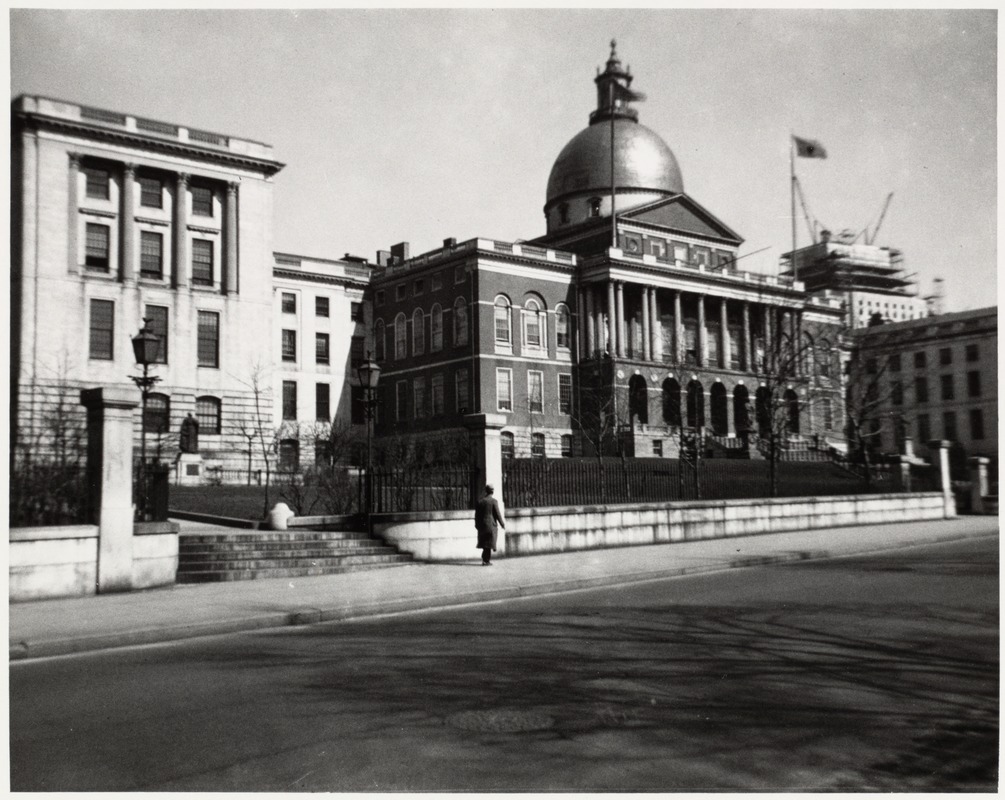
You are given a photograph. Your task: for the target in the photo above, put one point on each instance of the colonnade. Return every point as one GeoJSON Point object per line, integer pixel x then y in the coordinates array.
{"type": "Point", "coordinates": [744, 332]}
{"type": "Point", "coordinates": [128, 266]}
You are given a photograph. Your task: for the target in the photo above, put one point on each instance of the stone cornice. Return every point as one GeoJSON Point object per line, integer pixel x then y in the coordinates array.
{"type": "Point", "coordinates": [187, 149]}
{"type": "Point", "coordinates": [314, 277]}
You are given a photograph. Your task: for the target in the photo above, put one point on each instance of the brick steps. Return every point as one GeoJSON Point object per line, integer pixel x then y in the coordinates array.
{"type": "Point", "coordinates": [208, 557]}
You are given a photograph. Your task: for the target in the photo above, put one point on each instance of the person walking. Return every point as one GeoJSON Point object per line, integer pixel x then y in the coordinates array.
{"type": "Point", "coordinates": [488, 517]}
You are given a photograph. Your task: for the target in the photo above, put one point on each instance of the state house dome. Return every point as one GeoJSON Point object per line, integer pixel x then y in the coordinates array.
{"type": "Point", "coordinates": [645, 168]}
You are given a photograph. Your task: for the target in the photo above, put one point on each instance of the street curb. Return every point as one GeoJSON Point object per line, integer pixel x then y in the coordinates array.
{"type": "Point", "coordinates": [26, 651]}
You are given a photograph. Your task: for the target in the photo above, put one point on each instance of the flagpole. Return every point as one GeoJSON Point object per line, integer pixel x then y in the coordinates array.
{"type": "Point", "coordinates": [614, 216]}
{"type": "Point", "coordinates": [792, 193]}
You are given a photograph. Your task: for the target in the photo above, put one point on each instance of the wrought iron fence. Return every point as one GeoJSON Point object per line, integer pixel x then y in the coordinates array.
{"type": "Point", "coordinates": [235, 477]}
{"type": "Point", "coordinates": [49, 494]}
{"type": "Point", "coordinates": [563, 482]}
{"type": "Point", "coordinates": [423, 489]}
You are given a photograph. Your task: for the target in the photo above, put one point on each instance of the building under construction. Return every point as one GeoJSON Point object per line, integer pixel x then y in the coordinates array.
{"type": "Point", "coordinates": [867, 279]}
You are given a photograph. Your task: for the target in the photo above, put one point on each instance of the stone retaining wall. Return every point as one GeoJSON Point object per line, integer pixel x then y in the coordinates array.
{"type": "Point", "coordinates": [450, 535]}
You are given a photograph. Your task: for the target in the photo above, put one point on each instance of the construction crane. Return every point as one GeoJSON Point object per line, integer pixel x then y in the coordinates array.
{"type": "Point", "coordinates": [810, 220]}
{"type": "Point", "coordinates": [882, 215]}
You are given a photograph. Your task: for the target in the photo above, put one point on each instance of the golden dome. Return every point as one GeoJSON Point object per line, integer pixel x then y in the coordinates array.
{"type": "Point", "coordinates": [642, 162]}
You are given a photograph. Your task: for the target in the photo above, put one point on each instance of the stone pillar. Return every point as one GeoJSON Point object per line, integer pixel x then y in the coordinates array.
{"type": "Point", "coordinates": [647, 327]}
{"type": "Point", "coordinates": [901, 469]}
{"type": "Point", "coordinates": [486, 446]}
{"type": "Point", "coordinates": [702, 333]}
{"type": "Point", "coordinates": [127, 226]}
{"type": "Point", "coordinates": [768, 340]}
{"type": "Point", "coordinates": [580, 326]}
{"type": "Point", "coordinates": [678, 329]}
{"type": "Point", "coordinates": [611, 346]}
{"type": "Point", "coordinates": [978, 483]}
{"type": "Point", "coordinates": [591, 323]}
{"type": "Point", "coordinates": [619, 321]}
{"type": "Point", "coordinates": [73, 214]}
{"type": "Point", "coordinates": [110, 419]}
{"type": "Point", "coordinates": [179, 272]}
{"type": "Point", "coordinates": [656, 326]}
{"type": "Point", "coordinates": [745, 354]}
{"type": "Point", "coordinates": [940, 461]}
{"type": "Point", "coordinates": [230, 240]}
{"type": "Point", "coordinates": [727, 345]}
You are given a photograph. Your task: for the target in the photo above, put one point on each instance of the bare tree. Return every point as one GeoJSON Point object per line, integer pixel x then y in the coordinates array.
{"type": "Point", "coordinates": [257, 426]}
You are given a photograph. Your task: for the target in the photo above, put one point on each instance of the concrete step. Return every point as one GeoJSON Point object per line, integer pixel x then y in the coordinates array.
{"type": "Point", "coordinates": [239, 564]}
{"type": "Point", "coordinates": [281, 572]}
{"type": "Point", "coordinates": [298, 553]}
{"type": "Point", "coordinates": [276, 547]}
{"type": "Point", "coordinates": [272, 536]}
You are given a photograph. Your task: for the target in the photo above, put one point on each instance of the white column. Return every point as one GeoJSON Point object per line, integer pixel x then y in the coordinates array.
{"type": "Point", "coordinates": [127, 226]}
{"type": "Point", "coordinates": [230, 240]}
{"type": "Point", "coordinates": [612, 331]}
{"type": "Point", "coordinates": [620, 321]}
{"type": "Point", "coordinates": [702, 334]}
{"type": "Point", "coordinates": [73, 214]}
{"type": "Point", "coordinates": [745, 354]}
{"type": "Point", "coordinates": [678, 329]}
{"type": "Point", "coordinates": [180, 260]}
{"type": "Point", "coordinates": [647, 353]}
{"type": "Point", "coordinates": [726, 343]}
{"type": "Point", "coordinates": [655, 327]}
{"type": "Point", "coordinates": [591, 323]}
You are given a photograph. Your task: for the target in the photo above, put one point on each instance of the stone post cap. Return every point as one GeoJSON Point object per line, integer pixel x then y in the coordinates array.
{"type": "Point", "coordinates": [109, 397]}
{"type": "Point", "coordinates": [479, 422]}
{"type": "Point", "coordinates": [937, 444]}
{"type": "Point", "coordinates": [978, 461]}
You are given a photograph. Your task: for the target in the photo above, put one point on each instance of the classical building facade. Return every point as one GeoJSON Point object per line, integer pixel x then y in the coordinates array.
{"type": "Point", "coordinates": [648, 321]}
{"type": "Point", "coordinates": [934, 378]}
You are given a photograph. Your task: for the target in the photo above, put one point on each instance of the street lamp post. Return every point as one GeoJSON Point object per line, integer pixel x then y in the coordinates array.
{"type": "Point", "coordinates": [146, 349]}
{"type": "Point", "coordinates": [369, 373]}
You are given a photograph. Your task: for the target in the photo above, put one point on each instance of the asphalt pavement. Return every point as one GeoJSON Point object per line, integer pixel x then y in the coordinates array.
{"type": "Point", "coordinates": [81, 624]}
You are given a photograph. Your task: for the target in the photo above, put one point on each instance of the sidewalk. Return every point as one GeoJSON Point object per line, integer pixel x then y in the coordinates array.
{"type": "Point", "coordinates": [55, 627]}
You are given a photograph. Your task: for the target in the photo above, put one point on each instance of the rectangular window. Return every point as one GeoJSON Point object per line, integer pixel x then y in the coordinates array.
{"type": "Point", "coordinates": [537, 445]}
{"type": "Point", "coordinates": [401, 401]}
{"type": "Point", "coordinates": [894, 362]}
{"type": "Point", "coordinates": [535, 392]}
{"type": "Point", "coordinates": [972, 353]}
{"type": "Point", "coordinates": [924, 429]}
{"type": "Point", "coordinates": [399, 292]}
{"type": "Point", "coordinates": [289, 303]}
{"type": "Point", "coordinates": [102, 345]}
{"type": "Point", "coordinates": [207, 414]}
{"type": "Point", "coordinates": [502, 320]}
{"type": "Point", "coordinates": [357, 350]}
{"type": "Point", "coordinates": [202, 201]}
{"type": "Point", "coordinates": [947, 387]}
{"type": "Point", "coordinates": [418, 287]}
{"type": "Point", "coordinates": [562, 339]}
{"type": "Point", "coordinates": [949, 425]}
{"type": "Point", "coordinates": [897, 393]}
{"type": "Point", "coordinates": [157, 317]}
{"type": "Point", "coordinates": [98, 181]}
{"type": "Point", "coordinates": [976, 423]}
{"type": "Point", "coordinates": [378, 298]}
{"type": "Point", "coordinates": [919, 360]}
{"type": "Point", "coordinates": [567, 445]}
{"type": "Point", "coordinates": [202, 262]}
{"type": "Point", "coordinates": [151, 255]}
{"type": "Point", "coordinates": [436, 386]}
{"type": "Point", "coordinates": [459, 273]}
{"type": "Point", "coordinates": [96, 247]}
{"type": "Point", "coordinates": [356, 312]}
{"type": "Point", "coordinates": [945, 356]}
{"type": "Point", "coordinates": [151, 193]}
{"type": "Point", "coordinates": [565, 394]}
{"type": "Point", "coordinates": [461, 380]}
{"type": "Point", "coordinates": [321, 355]}
{"type": "Point", "coordinates": [436, 282]}
{"type": "Point", "coordinates": [321, 306]}
{"type": "Point", "coordinates": [289, 399]}
{"type": "Point", "coordinates": [419, 397]}
{"type": "Point", "coordinates": [322, 401]}
{"type": "Point", "coordinates": [289, 345]}
{"type": "Point", "coordinates": [658, 448]}
{"type": "Point", "coordinates": [504, 390]}
{"type": "Point", "coordinates": [921, 390]}
{"type": "Point", "coordinates": [973, 384]}
{"type": "Point", "coordinates": [208, 344]}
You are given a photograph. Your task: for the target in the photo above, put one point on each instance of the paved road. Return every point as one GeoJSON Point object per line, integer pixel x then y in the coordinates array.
{"type": "Point", "coordinates": [868, 673]}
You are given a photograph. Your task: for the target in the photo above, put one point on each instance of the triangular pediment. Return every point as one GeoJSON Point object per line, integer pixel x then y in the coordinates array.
{"type": "Point", "coordinates": [681, 214]}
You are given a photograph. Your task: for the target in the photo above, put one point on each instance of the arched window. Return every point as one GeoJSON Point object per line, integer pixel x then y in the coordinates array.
{"type": "Point", "coordinates": [535, 327]}
{"type": "Point", "coordinates": [508, 444]}
{"type": "Point", "coordinates": [289, 455]}
{"type": "Point", "coordinates": [460, 322]}
{"type": "Point", "coordinates": [566, 445]}
{"type": "Point", "coordinates": [537, 445]}
{"type": "Point", "coordinates": [158, 413]}
{"type": "Point", "coordinates": [720, 409]}
{"type": "Point", "coordinates": [503, 326]}
{"type": "Point", "coordinates": [671, 402]}
{"type": "Point", "coordinates": [418, 333]}
{"type": "Point", "coordinates": [695, 405]}
{"type": "Point", "coordinates": [400, 338]}
{"type": "Point", "coordinates": [638, 400]}
{"type": "Point", "coordinates": [594, 206]}
{"type": "Point", "coordinates": [436, 329]}
{"type": "Point", "coordinates": [562, 333]}
{"type": "Point", "coordinates": [207, 414]}
{"type": "Point", "coordinates": [741, 414]}
{"type": "Point", "coordinates": [378, 339]}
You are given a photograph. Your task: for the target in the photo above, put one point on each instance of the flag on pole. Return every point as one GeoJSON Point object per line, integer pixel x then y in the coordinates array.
{"type": "Point", "coordinates": [809, 148]}
{"type": "Point", "coordinates": [626, 95]}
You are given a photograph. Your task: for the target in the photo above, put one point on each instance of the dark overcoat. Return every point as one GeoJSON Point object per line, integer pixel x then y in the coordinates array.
{"type": "Point", "coordinates": [488, 517]}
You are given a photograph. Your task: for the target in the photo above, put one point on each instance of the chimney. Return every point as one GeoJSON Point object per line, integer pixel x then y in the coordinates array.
{"type": "Point", "coordinates": [383, 258]}
{"type": "Point", "coordinates": [451, 242]}
{"type": "Point", "coordinates": [399, 252]}
{"type": "Point", "coordinates": [825, 236]}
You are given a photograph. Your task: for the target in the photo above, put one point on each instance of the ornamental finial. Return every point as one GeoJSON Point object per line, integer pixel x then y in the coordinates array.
{"type": "Point", "coordinates": [614, 44]}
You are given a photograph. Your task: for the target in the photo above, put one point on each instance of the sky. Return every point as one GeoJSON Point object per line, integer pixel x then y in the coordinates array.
{"type": "Point", "coordinates": [418, 125]}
